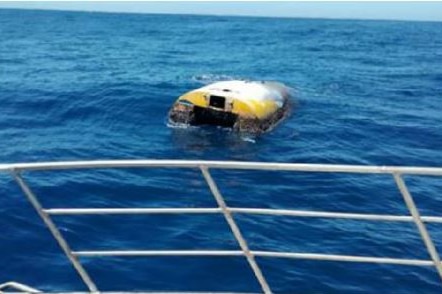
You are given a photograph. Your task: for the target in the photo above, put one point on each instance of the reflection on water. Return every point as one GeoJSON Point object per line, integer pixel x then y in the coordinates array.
{"type": "Point", "coordinates": [201, 140]}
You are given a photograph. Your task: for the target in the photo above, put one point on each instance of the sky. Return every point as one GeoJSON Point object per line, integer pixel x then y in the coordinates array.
{"type": "Point", "coordinates": [426, 11]}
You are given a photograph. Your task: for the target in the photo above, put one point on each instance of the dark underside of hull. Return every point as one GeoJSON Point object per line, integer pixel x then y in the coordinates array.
{"type": "Point", "coordinates": [204, 116]}
{"type": "Point", "coordinates": [208, 116]}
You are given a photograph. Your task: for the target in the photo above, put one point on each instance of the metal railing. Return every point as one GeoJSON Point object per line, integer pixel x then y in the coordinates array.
{"type": "Point", "coordinates": [17, 287]}
{"type": "Point", "coordinates": [229, 212]}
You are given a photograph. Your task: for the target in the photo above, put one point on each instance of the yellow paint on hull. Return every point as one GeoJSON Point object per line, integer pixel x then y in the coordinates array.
{"type": "Point", "coordinates": [250, 108]}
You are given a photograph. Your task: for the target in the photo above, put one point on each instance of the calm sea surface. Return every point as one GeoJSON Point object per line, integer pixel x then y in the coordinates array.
{"type": "Point", "coordinates": [83, 86]}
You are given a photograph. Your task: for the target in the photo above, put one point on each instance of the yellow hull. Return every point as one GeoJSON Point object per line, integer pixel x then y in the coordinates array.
{"type": "Point", "coordinates": [252, 109]}
{"type": "Point", "coordinates": [233, 103]}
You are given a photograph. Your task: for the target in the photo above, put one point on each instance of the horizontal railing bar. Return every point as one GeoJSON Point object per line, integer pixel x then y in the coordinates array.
{"type": "Point", "coordinates": [159, 253]}
{"type": "Point", "coordinates": [144, 292]}
{"type": "Point", "coordinates": [26, 289]}
{"type": "Point", "coordinates": [311, 256]}
{"type": "Point", "coordinates": [346, 258]}
{"type": "Point", "coordinates": [325, 214]}
{"type": "Point", "coordinates": [222, 165]}
{"type": "Point", "coordinates": [264, 211]}
{"type": "Point", "coordinates": [108, 211]}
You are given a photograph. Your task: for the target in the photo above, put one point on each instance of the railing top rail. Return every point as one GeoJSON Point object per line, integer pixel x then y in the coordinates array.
{"type": "Point", "coordinates": [301, 167]}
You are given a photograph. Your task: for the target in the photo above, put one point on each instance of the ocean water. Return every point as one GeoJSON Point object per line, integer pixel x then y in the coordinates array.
{"type": "Point", "coordinates": [83, 86]}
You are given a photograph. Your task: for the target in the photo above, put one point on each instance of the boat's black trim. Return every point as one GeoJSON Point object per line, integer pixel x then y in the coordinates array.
{"type": "Point", "coordinates": [209, 116]}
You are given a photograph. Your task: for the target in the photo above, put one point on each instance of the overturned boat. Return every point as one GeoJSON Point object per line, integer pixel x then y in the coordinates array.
{"type": "Point", "coordinates": [244, 106]}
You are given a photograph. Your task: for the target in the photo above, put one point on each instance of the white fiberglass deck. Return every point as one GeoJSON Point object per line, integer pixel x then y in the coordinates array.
{"type": "Point", "coordinates": [229, 212]}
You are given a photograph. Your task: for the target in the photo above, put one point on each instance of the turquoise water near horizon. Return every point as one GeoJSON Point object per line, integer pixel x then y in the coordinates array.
{"type": "Point", "coordinates": [87, 86]}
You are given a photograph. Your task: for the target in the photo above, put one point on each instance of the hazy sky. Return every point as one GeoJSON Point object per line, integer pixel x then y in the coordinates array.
{"type": "Point", "coordinates": [359, 10]}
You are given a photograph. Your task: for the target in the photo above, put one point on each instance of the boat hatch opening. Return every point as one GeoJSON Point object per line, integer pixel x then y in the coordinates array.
{"type": "Point", "coordinates": [217, 101]}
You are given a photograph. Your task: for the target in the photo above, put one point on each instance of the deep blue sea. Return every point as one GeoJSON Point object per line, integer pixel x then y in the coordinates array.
{"type": "Point", "coordinates": [84, 86]}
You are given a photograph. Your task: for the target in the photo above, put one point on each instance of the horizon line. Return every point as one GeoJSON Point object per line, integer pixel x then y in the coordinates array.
{"type": "Point", "coordinates": [219, 15]}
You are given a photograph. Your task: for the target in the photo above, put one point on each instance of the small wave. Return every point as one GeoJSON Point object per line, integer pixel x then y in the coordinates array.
{"type": "Point", "coordinates": [173, 125]}
{"type": "Point", "coordinates": [248, 139]}
{"type": "Point", "coordinates": [210, 78]}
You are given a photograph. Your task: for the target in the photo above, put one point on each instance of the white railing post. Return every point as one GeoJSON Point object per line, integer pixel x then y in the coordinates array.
{"type": "Point", "coordinates": [426, 238]}
{"type": "Point", "coordinates": [235, 230]}
{"type": "Point", "coordinates": [55, 232]}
